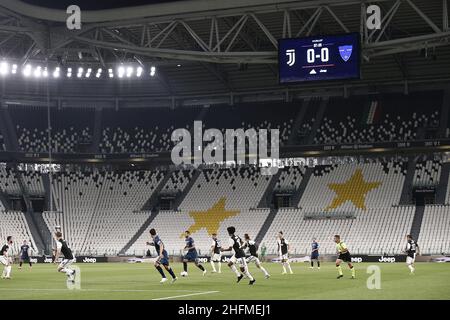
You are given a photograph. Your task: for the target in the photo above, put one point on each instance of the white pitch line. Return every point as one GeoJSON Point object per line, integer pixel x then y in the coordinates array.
{"type": "Point", "coordinates": [98, 290]}
{"type": "Point", "coordinates": [186, 295]}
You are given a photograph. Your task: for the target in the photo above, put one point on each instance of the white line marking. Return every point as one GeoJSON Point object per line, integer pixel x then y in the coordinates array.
{"type": "Point", "coordinates": [99, 290]}
{"type": "Point", "coordinates": [186, 295]}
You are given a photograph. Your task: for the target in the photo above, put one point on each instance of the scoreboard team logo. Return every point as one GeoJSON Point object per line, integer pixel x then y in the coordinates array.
{"type": "Point", "coordinates": [346, 52]}
{"type": "Point", "coordinates": [291, 54]}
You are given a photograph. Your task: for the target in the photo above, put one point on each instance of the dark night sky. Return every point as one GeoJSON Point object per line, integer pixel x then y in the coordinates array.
{"type": "Point", "coordinates": [94, 4]}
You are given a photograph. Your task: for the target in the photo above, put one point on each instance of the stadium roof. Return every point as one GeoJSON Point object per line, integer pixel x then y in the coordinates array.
{"type": "Point", "coordinates": [221, 47]}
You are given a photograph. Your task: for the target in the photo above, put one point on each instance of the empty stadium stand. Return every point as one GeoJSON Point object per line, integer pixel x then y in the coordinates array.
{"type": "Point", "coordinates": [71, 128]}
{"type": "Point", "coordinates": [101, 211]}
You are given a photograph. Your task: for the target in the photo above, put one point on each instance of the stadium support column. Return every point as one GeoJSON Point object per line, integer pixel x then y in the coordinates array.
{"type": "Point", "coordinates": [97, 134]}
{"type": "Point", "coordinates": [318, 120]}
{"type": "Point", "coordinates": [406, 196]}
{"type": "Point", "coordinates": [298, 121]}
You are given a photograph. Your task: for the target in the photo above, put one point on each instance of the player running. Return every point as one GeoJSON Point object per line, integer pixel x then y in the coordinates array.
{"type": "Point", "coordinates": [25, 254]}
{"type": "Point", "coordinates": [69, 258]}
{"type": "Point", "coordinates": [163, 257]}
{"type": "Point", "coordinates": [216, 255]}
{"type": "Point", "coordinates": [236, 244]}
{"type": "Point", "coordinates": [283, 250]}
{"type": "Point", "coordinates": [253, 250]}
{"type": "Point", "coordinates": [191, 254]}
{"type": "Point", "coordinates": [5, 260]}
{"type": "Point", "coordinates": [412, 249]}
{"type": "Point", "coordinates": [344, 255]}
{"type": "Point", "coordinates": [315, 254]}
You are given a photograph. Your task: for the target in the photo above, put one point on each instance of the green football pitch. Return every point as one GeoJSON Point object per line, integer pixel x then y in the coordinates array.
{"type": "Point", "coordinates": [141, 281]}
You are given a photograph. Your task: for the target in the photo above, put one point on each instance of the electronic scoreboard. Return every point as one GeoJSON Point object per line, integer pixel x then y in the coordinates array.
{"type": "Point", "coordinates": [334, 57]}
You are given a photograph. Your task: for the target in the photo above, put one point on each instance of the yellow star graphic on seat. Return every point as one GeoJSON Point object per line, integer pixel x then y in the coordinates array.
{"type": "Point", "coordinates": [354, 190]}
{"type": "Point", "coordinates": [211, 218]}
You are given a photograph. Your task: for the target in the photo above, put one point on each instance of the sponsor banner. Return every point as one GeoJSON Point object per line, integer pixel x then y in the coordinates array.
{"type": "Point", "coordinates": [294, 260]}
{"type": "Point", "coordinates": [81, 259]}
{"type": "Point", "coordinates": [205, 259]}
{"type": "Point", "coordinates": [378, 259]}
{"type": "Point", "coordinates": [441, 259]}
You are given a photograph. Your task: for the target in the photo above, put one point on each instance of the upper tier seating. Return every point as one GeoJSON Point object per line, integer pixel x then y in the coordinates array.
{"type": "Point", "coordinates": [257, 116]}
{"type": "Point", "coordinates": [144, 130]}
{"type": "Point", "coordinates": [2, 143]}
{"type": "Point", "coordinates": [71, 128]}
{"type": "Point", "coordinates": [390, 118]}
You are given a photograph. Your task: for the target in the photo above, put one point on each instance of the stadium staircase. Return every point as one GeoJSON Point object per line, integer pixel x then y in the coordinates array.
{"type": "Point", "coordinates": [322, 107]}
{"type": "Point", "coordinates": [4, 199]}
{"type": "Point", "coordinates": [187, 189]}
{"type": "Point", "coordinates": [302, 187]}
{"type": "Point", "coordinates": [417, 222]}
{"type": "Point", "coordinates": [406, 197]}
{"type": "Point", "coordinates": [9, 133]}
{"type": "Point", "coordinates": [441, 190]}
{"type": "Point", "coordinates": [152, 202]}
{"type": "Point", "coordinates": [141, 230]}
{"type": "Point", "coordinates": [298, 121]}
{"type": "Point", "coordinates": [97, 134]}
{"type": "Point", "coordinates": [29, 215]}
{"type": "Point", "coordinates": [265, 227]}
{"type": "Point", "coordinates": [47, 188]}
{"type": "Point", "coordinates": [266, 199]}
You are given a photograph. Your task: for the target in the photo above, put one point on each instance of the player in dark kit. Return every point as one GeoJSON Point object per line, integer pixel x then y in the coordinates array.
{"type": "Point", "coordinates": [5, 260]}
{"type": "Point", "coordinates": [344, 255]}
{"type": "Point", "coordinates": [24, 254]}
{"type": "Point", "coordinates": [191, 254]}
{"type": "Point", "coordinates": [163, 257]}
{"type": "Point", "coordinates": [315, 254]}
{"type": "Point", "coordinates": [216, 255]}
{"type": "Point", "coordinates": [253, 250]}
{"type": "Point", "coordinates": [236, 244]}
{"type": "Point", "coordinates": [412, 249]}
{"type": "Point", "coordinates": [69, 258]}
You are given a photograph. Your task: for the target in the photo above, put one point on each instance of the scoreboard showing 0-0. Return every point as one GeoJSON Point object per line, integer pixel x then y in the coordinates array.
{"type": "Point", "coordinates": [319, 58]}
